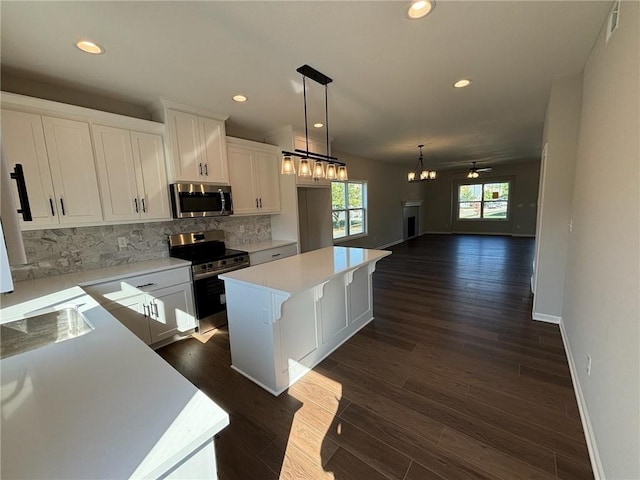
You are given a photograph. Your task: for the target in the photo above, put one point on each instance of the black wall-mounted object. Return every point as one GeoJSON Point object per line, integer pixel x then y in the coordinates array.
{"type": "Point", "coordinates": [25, 209]}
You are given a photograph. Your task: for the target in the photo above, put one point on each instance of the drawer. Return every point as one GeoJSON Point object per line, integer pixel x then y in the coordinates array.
{"type": "Point", "coordinates": [272, 254]}
{"type": "Point", "coordinates": [124, 288]}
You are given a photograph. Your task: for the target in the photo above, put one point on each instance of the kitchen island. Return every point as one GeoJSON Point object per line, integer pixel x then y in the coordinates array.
{"type": "Point", "coordinates": [100, 405]}
{"type": "Point", "coordinates": [288, 315]}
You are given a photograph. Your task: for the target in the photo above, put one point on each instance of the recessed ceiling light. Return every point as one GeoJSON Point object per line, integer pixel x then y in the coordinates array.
{"type": "Point", "coordinates": [90, 47]}
{"type": "Point", "coordinates": [240, 98]}
{"type": "Point", "coordinates": [318, 125]}
{"type": "Point", "coordinates": [420, 8]}
{"type": "Point", "coordinates": [462, 83]}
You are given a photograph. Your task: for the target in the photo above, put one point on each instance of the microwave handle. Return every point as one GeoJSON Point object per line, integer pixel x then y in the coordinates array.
{"type": "Point", "coordinates": [222, 203]}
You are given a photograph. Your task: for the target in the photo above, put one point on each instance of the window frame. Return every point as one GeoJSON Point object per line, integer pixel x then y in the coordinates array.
{"type": "Point", "coordinates": [347, 209]}
{"type": "Point", "coordinates": [482, 201]}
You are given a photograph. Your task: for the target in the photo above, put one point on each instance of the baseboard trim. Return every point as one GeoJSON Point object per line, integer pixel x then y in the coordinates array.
{"type": "Point", "coordinates": [387, 245]}
{"type": "Point", "coordinates": [436, 232]}
{"type": "Point", "coordinates": [543, 317]}
{"type": "Point", "coordinates": [594, 455]}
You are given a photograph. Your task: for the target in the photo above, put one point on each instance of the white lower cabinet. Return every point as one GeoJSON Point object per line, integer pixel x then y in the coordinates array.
{"type": "Point", "coordinates": [155, 307]}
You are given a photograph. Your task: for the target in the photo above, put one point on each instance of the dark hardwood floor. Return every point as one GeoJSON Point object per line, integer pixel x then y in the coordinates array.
{"type": "Point", "coordinates": [452, 380]}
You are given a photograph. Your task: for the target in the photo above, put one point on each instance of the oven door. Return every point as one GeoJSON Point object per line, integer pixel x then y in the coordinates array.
{"type": "Point", "coordinates": [211, 304]}
{"type": "Point", "coordinates": [200, 200]}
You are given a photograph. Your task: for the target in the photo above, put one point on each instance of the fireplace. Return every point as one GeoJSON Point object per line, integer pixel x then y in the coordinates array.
{"type": "Point", "coordinates": [411, 218]}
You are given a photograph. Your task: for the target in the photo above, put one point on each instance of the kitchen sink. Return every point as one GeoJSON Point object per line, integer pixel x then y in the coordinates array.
{"type": "Point", "coordinates": [40, 330]}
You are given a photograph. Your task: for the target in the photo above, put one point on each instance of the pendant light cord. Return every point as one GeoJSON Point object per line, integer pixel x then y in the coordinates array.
{"type": "Point", "coordinates": [306, 128]}
{"type": "Point", "coordinates": [326, 115]}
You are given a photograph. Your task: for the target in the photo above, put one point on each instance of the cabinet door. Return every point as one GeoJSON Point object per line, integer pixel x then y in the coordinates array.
{"type": "Point", "coordinates": [268, 180]}
{"type": "Point", "coordinates": [172, 311]}
{"type": "Point", "coordinates": [214, 151]}
{"type": "Point", "coordinates": [186, 146]}
{"type": "Point", "coordinates": [148, 155]}
{"type": "Point", "coordinates": [72, 170]}
{"type": "Point", "coordinates": [23, 140]}
{"type": "Point", "coordinates": [131, 313]}
{"type": "Point", "coordinates": [116, 174]}
{"type": "Point", "coordinates": [243, 188]}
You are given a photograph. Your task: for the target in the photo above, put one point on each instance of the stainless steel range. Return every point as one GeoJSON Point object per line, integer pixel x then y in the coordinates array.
{"type": "Point", "coordinates": [209, 257]}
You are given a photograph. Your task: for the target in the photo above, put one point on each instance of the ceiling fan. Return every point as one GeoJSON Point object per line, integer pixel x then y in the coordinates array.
{"type": "Point", "coordinates": [474, 172]}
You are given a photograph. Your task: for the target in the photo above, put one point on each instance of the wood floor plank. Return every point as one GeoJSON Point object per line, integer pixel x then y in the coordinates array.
{"type": "Point", "coordinates": [569, 469]}
{"type": "Point", "coordinates": [528, 410]}
{"type": "Point", "coordinates": [478, 429]}
{"type": "Point", "coordinates": [496, 462]}
{"type": "Point", "coordinates": [346, 466]}
{"type": "Point", "coordinates": [451, 380]}
{"type": "Point", "coordinates": [429, 455]}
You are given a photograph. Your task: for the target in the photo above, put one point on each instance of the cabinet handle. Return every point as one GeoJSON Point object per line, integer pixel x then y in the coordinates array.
{"type": "Point", "coordinates": [146, 309]}
{"type": "Point", "coordinates": [135, 202]}
{"type": "Point", "coordinates": [53, 212]}
{"type": "Point", "coordinates": [257, 203]}
{"type": "Point", "coordinates": [200, 168]}
{"type": "Point", "coordinates": [145, 285]}
{"type": "Point", "coordinates": [144, 207]}
{"type": "Point", "coordinates": [155, 309]}
{"type": "Point", "coordinates": [62, 205]}
{"type": "Point", "coordinates": [276, 254]}
{"type": "Point", "coordinates": [261, 202]}
{"type": "Point", "coordinates": [206, 169]}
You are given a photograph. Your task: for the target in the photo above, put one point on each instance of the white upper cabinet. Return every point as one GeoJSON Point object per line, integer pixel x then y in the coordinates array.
{"type": "Point", "coordinates": [198, 148]}
{"type": "Point", "coordinates": [255, 177]}
{"type": "Point", "coordinates": [60, 174]}
{"type": "Point", "coordinates": [23, 139]}
{"type": "Point", "coordinates": [72, 170]}
{"type": "Point", "coordinates": [132, 175]}
{"type": "Point", "coordinates": [214, 151]}
{"type": "Point", "coordinates": [148, 156]}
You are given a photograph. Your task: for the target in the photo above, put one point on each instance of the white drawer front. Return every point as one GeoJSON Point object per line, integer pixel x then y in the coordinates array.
{"type": "Point", "coordinates": [117, 290]}
{"type": "Point", "coordinates": [273, 254]}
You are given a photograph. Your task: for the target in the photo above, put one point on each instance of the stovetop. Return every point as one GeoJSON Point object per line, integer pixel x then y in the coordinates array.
{"type": "Point", "coordinates": [207, 252]}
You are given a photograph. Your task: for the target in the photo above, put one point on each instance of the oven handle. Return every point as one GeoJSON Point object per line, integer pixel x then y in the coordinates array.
{"type": "Point", "coordinates": [200, 276]}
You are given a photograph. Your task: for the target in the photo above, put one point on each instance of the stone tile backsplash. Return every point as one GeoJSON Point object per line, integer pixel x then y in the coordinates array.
{"type": "Point", "coordinates": [66, 250]}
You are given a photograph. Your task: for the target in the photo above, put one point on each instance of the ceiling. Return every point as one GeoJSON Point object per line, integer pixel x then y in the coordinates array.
{"type": "Point", "coordinates": [393, 76]}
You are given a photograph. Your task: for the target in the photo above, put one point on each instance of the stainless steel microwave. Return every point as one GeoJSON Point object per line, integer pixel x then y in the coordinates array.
{"type": "Point", "coordinates": [190, 200]}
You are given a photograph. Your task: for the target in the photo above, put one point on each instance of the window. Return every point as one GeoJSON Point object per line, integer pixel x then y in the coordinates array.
{"type": "Point", "coordinates": [488, 201]}
{"type": "Point", "coordinates": [348, 209]}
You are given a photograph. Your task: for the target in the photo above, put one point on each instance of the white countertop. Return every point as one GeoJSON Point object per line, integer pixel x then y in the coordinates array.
{"type": "Point", "coordinates": [261, 246]}
{"type": "Point", "coordinates": [29, 289]}
{"type": "Point", "coordinates": [300, 272]}
{"type": "Point", "coordinates": [102, 405]}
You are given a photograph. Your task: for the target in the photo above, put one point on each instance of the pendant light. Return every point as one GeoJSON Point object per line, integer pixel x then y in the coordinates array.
{"type": "Point", "coordinates": [331, 171]}
{"type": "Point", "coordinates": [288, 166]}
{"type": "Point", "coordinates": [313, 164]}
{"type": "Point", "coordinates": [318, 169]}
{"type": "Point", "coordinates": [420, 173]}
{"type": "Point", "coordinates": [305, 168]}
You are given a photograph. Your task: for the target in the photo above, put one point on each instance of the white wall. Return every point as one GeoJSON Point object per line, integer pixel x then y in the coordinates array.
{"type": "Point", "coordinates": [555, 197]}
{"type": "Point", "coordinates": [601, 315]}
{"type": "Point", "coordinates": [387, 188]}
{"type": "Point", "coordinates": [441, 200]}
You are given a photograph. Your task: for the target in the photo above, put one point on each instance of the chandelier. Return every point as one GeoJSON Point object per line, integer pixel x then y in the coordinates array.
{"type": "Point", "coordinates": [420, 173]}
{"type": "Point", "coordinates": [313, 164]}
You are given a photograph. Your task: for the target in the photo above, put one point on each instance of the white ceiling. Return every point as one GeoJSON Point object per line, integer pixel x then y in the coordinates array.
{"type": "Point", "coordinates": [392, 76]}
